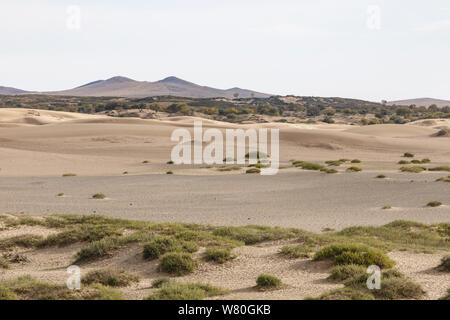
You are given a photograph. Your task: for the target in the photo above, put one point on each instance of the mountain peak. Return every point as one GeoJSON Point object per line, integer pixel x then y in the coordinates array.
{"type": "Point", "coordinates": [119, 79]}
{"type": "Point", "coordinates": [173, 79]}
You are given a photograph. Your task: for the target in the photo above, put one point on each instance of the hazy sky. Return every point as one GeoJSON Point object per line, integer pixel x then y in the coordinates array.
{"type": "Point", "coordinates": [373, 50]}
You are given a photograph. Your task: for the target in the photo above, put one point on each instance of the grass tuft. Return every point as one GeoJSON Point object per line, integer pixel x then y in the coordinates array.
{"type": "Point", "coordinates": [178, 263]}
{"type": "Point", "coordinates": [267, 282]}
{"type": "Point", "coordinates": [112, 277]}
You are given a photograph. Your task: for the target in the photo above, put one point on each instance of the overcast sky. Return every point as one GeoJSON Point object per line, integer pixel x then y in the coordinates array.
{"type": "Point", "coordinates": [372, 50]}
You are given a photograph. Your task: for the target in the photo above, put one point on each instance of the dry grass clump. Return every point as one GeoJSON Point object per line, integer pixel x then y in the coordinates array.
{"type": "Point", "coordinates": [170, 162]}
{"type": "Point", "coordinates": [345, 294]}
{"type": "Point", "coordinates": [69, 175]}
{"type": "Point", "coordinates": [296, 251]}
{"type": "Point", "coordinates": [27, 288]}
{"type": "Point", "coordinates": [4, 264]}
{"type": "Point", "coordinates": [257, 165]}
{"type": "Point", "coordinates": [98, 196]}
{"type": "Point", "coordinates": [160, 245]}
{"type": "Point", "coordinates": [171, 290]}
{"type": "Point", "coordinates": [335, 163]}
{"type": "Point", "coordinates": [229, 168]}
{"type": "Point", "coordinates": [22, 241]}
{"type": "Point", "coordinates": [307, 165]}
{"type": "Point", "coordinates": [356, 161]}
{"type": "Point", "coordinates": [381, 176]}
{"type": "Point", "coordinates": [415, 169]}
{"type": "Point", "coordinates": [253, 170]}
{"type": "Point", "coordinates": [444, 179]}
{"type": "Point", "coordinates": [112, 277]}
{"type": "Point", "coordinates": [404, 162]}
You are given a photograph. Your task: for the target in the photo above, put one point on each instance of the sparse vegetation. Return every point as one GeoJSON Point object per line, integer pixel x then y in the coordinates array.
{"type": "Point", "coordinates": [267, 282]}
{"type": "Point", "coordinates": [381, 176]}
{"type": "Point", "coordinates": [253, 170]}
{"type": "Point", "coordinates": [356, 161]}
{"type": "Point", "coordinates": [354, 169]}
{"type": "Point", "coordinates": [296, 251]}
{"type": "Point", "coordinates": [307, 165]}
{"type": "Point", "coordinates": [98, 196]}
{"type": "Point", "coordinates": [145, 161]}
{"type": "Point", "coordinates": [434, 204]}
{"type": "Point", "coordinates": [445, 264]}
{"type": "Point", "coordinates": [387, 208]}
{"type": "Point", "coordinates": [4, 264]}
{"type": "Point", "coordinates": [112, 277]}
{"type": "Point", "coordinates": [444, 179]}
{"type": "Point", "coordinates": [172, 290]}
{"type": "Point", "coordinates": [229, 168]}
{"type": "Point", "coordinates": [69, 175]}
{"type": "Point", "coordinates": [408, 155]}
{"type": "Point", "coordinates": [169, 172]}
{"type": "Point", "coordinates": [404, 162]}
{"type": "Point", "coordinates": [159, 246]}
{"type": "Point", "coordinates": [60, 194]}
{"type": "Point", "coordinates": [218, 254]}
{"type": "Point", "coordinates": [442, 168]}
{"type": "Point", "coordinates": [345, 272]}
{"type": "Point", "coordinates": [170, 162]}
{"type": "Point", "coordinates": [414, 169]}
{"type": "Point", "coordinates": [343, 254]}
{"type": "Point", "coordinates": [22, 241]}
{"type": "Point", "coordinates": [346, 294]}
{"type": "Point", "coordinates": [329, 171]}
{"type": "Point", "coordinates": [178, 263]}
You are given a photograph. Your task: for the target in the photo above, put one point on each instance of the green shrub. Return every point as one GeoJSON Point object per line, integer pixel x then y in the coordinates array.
{"type": "Point", "coordinates": [381, 176]}
{"type": "Point", "coordinates": [414, 169]}
{"type": "Point", "coordinates": [398, 288]}
{"type": "Point", "coordinates": [267, 281]}
{"type": "Point", "coordinates": [185, 291]}
{"type": "Point", "coordinates": [159, 246]}
{"type": "Point", "coordinates": [345, 272]}
{"type": "Point", "coordinates": [308, 165]}
{"type": "Point", "coordinates": [386, 208]}
{"type": "Point", "coordinates": [98, 196]}
{"type": "Point", "coordinates": [404, 162]}
{"type": "Point", "coordinates": [69, 175]}
{"type": "Point", "coordinates": [98, 249]}
{"type": "Point", "coordinates": [170, 162]}
{"type": "Point", "coordinates": [434, 204]}
{"type": "Point", "coordinates": [408, 155]}
{"type": "Point", "coordinates": [112, 277]}
{"type": "Point", "coordinates": [102, 292]}
{"type": "Point", "coordinates": [83, 233]}
{"type": "Point", "coordinates": [329, 171]}
{"type": "Point", "coordinates": [296, 251]}
{"type": "Point", "coordinates": [335, 163]}
{"type": "Point", "coordinates": [442, 168]}
{"type": "Point", "coordinates": [253, 170]}
{"type": "Point", "coordinates": [343, 254]}
{"type": "Point", "coordinates": [145, 162]}
{"type": "Point", "coordinates": [169, 172]}
{"type": "Point", "coordinates": [356, 161]}
{"type": "Point", "coordinates": [354, 169]}
{"type": "Point", "coordinates": [218, 255]}
{"type": "Point", "coordinates": [178, 263]}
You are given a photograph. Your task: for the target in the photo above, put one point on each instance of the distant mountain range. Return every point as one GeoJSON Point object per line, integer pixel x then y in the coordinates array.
{"type": "Point", "coordinates": [426, 102]}
{"type": "Point", "coordinates": [125, 87]}
{"type": "Point", "coordinates": [11, 91]}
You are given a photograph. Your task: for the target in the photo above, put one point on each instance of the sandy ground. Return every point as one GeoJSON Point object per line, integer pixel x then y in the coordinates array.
{"type": "Point", "coordinates": [37, 147]}
{"type": "Point", "coordinates": [301, 277]}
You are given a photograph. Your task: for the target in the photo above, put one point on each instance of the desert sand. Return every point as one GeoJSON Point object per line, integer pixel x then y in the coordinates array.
{"type": "Point", "coordinates": [37, 147]}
